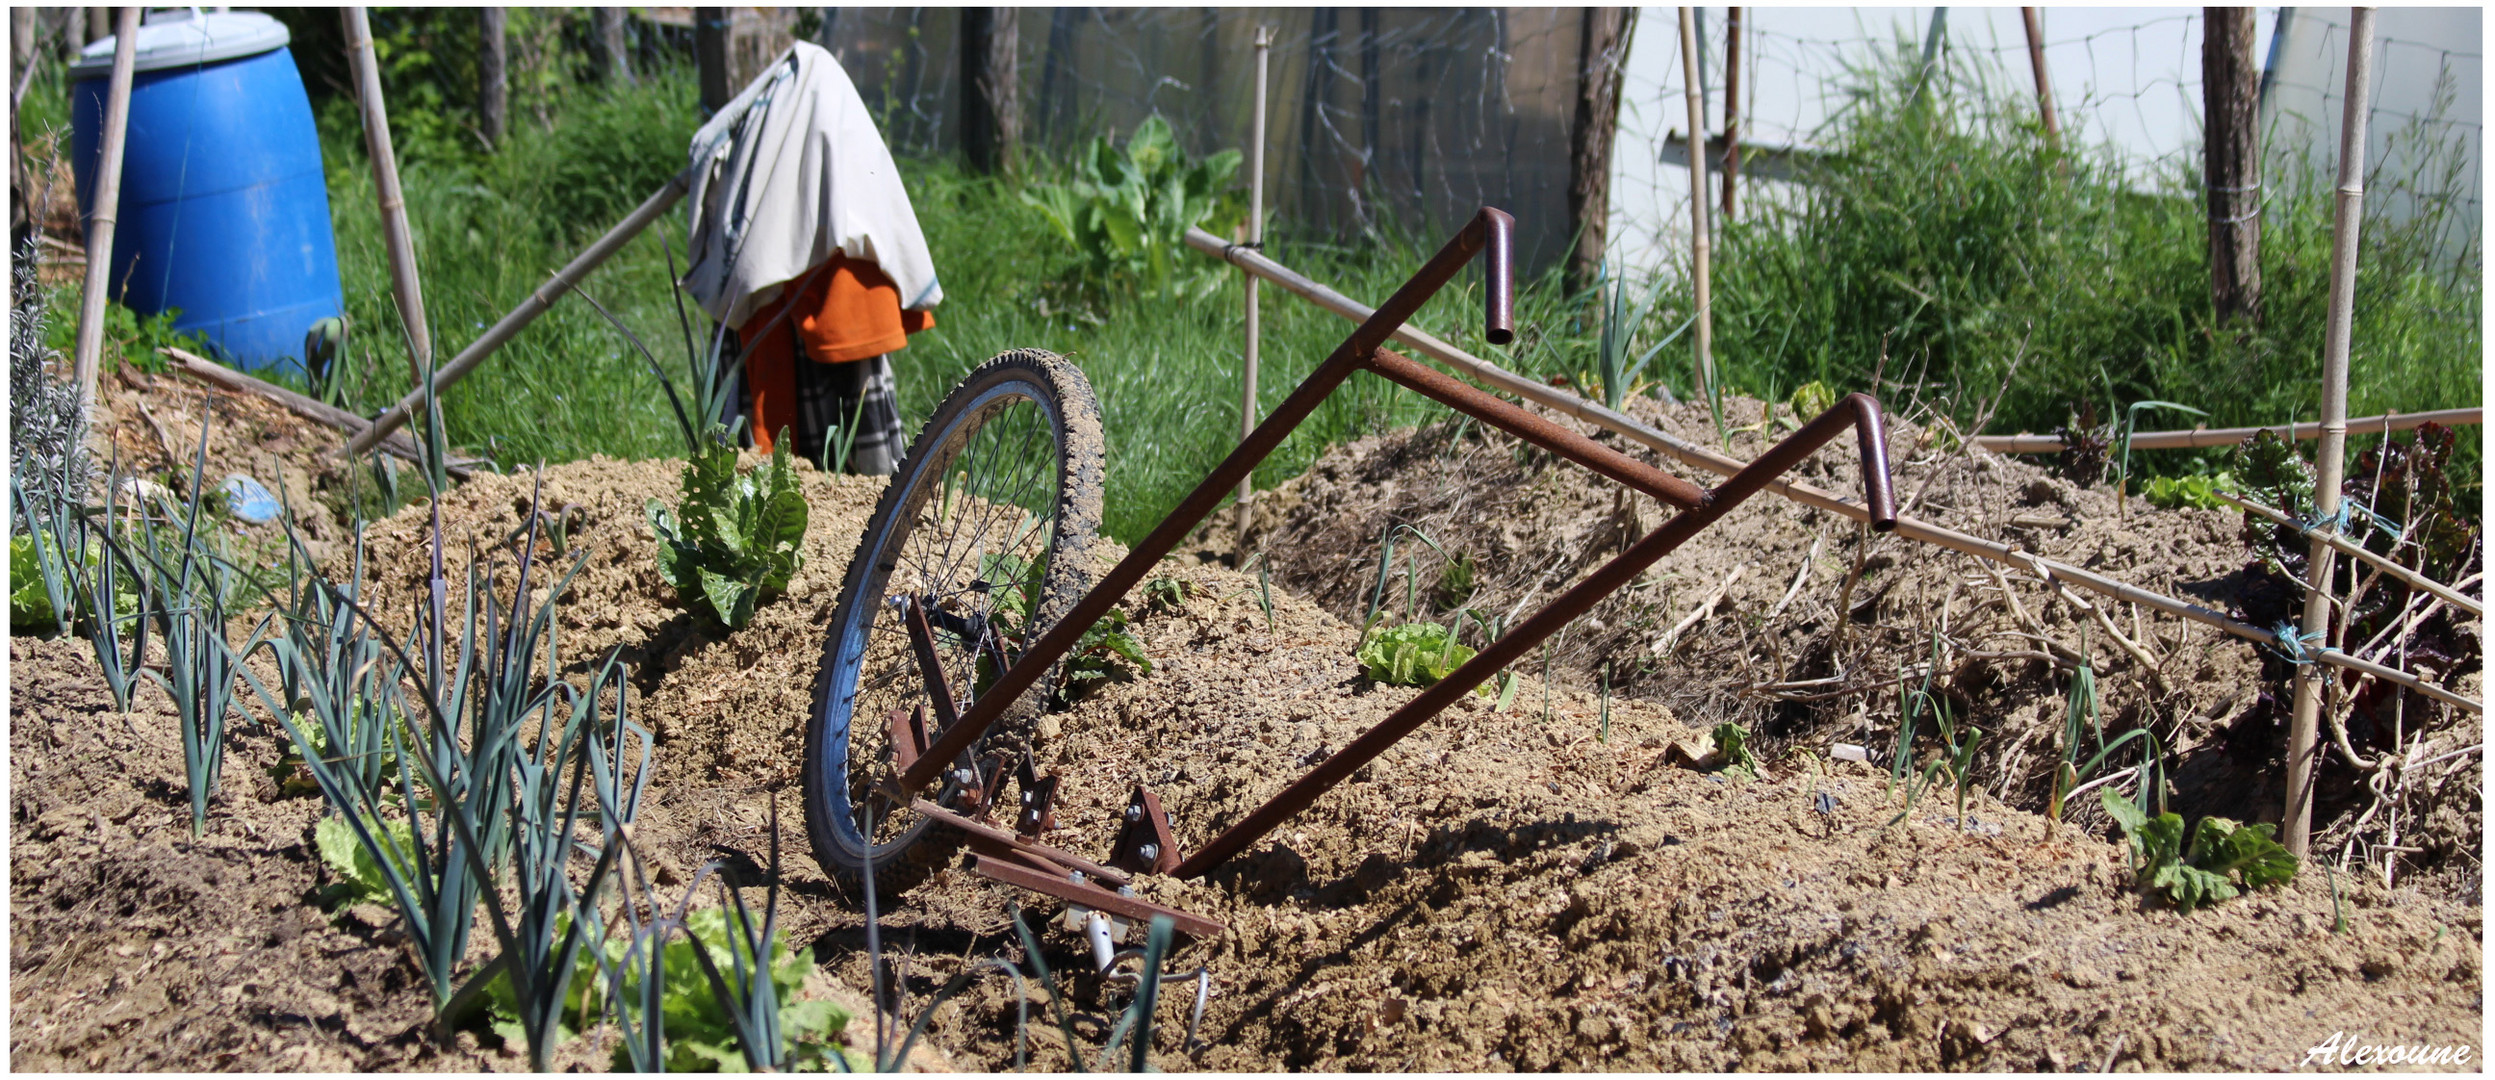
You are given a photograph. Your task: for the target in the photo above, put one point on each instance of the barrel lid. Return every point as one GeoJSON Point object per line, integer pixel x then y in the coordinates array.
{"type": "Point", "coordinates": [186, 37]}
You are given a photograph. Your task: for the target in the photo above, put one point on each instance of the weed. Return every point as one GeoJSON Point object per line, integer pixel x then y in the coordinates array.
{"type": "Point", "coordinates": [1163, 595]}
{"type": "Point", "coordinates": [1732, 748]}
{"type": "Point", "coordinates": [2131, 426]}
{"type": "Point", "coordinates": [1956, 760]}
{"type": "Point", "coordinates": [1107, 652]}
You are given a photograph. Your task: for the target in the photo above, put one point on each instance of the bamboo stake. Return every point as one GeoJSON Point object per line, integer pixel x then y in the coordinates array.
{"type": "Point", "coordinates": [1908, 527]}
{"type": "Point", "coordinates": [2044, 86]}
{"type": "Point", "coordinates": [107, 211]}
{"type": "Point", "coordinates": [2333, 445]}
{"type": "Point", "coordinates": [1703, 372]}
{"type": "Point", "coordinates": [394, 233]}
{"type": "Point", "coordinates": [526, 313]}
{"type": "Point", "coordinates": [1255, 239]}
{"type": "Point", "coordinates": [2199, 437]}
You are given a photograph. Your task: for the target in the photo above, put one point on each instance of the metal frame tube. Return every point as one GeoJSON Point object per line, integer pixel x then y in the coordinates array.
{"type": "Point", "coordinates": [1491, 410]}
{"type": "Point", "coordinates": [1490, 231]}
{"type": "Point", "coordinates": [1857, 411]}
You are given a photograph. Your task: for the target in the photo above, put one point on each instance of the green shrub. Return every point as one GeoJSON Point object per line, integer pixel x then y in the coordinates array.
{"type": "Point", "coordinates": [1948, 234]}
{"type": "Point", "coordinates": [1127, 213]}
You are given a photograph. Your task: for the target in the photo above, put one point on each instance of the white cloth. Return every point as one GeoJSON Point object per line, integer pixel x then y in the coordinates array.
{"type": "Point", "coordinates": [791, 173]}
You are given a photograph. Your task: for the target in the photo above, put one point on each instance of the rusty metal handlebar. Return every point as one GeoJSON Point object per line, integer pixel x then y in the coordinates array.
{"type": "Point", "coordinates": [1498, 268]}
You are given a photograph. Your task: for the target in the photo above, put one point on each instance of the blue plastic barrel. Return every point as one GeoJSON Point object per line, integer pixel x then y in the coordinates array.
{"type": "Point", "coordinates": [224, 211]}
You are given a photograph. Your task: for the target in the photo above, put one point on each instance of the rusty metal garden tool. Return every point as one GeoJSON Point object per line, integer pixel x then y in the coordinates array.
{"type": "Point", "coordinates": [1146, 842]}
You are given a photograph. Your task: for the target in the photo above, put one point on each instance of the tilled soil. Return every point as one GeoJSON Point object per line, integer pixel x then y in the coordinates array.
{"type": "Point", "coordinates": [1531, 886]}
{"type": "Point", "coordinates": [1769, 649]}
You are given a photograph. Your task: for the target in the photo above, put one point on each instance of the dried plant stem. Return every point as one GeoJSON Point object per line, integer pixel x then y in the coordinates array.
{"type": "Point", "coordinates": [1800, 575]}
{"type": "Point", "coordinates": [1698, 614]}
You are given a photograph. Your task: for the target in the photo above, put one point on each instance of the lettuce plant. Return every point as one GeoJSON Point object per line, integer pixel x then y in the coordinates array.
{"type": "Point", "coordinates": [733, 541]}
{"type": "Point", "coordinates": [1414, 654]}
{"type": "Point", "coordinates": [2223, 859]}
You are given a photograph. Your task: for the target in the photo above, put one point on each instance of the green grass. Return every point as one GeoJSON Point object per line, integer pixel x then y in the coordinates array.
{"type": "Point", "coordinates": [1952, 233]}
{"type": "Point", "coordinates": [1961, 242]}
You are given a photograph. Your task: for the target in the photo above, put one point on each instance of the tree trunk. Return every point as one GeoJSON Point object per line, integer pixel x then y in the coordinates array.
{"type": "Point", "coordinates": [22, 44]}
{"type": "Point", "coordinates": [991, 89]}
{"type": "Point", "coordinates": [608, 60]}
{"type": "Point", "coordinates": [1602, 47]}
{"type": "Point", "coordinates": [710, 54]}
{"type": "Point", "coordinates": [493, 91]}
{"type": "Point", "coordinates": [99, 24]}
{"type": "Point", "coordinates": [2231, 84]}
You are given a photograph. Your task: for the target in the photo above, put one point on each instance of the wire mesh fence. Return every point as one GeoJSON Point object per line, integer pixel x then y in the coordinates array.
{"type": "Point", "coordinates": [1379, 120]}
{"type": "Point", "coordinates": [2126, 85]}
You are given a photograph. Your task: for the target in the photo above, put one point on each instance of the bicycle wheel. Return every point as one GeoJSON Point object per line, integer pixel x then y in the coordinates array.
{"type": "Point", "coordinates": [988, 525]}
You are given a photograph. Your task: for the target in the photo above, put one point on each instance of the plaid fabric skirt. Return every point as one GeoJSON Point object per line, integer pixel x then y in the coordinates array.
{"type": "Point", "coordinates": [849, 405]}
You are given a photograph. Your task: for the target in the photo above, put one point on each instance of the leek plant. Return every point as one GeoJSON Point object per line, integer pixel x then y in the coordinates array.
{"type": "Point", "coordinates": [492, 814]}
{"type": "Point", "coordinates": [187, 589]}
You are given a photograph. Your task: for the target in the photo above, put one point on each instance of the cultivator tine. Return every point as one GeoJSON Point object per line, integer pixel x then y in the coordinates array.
{"type": "Point", "coordinates": [909, 735]}
{"type": "Point", "coordinates": [1145, 843]}
{"type": "Point", "coordinates": [1039, 797]}
{"type": "Point", "coordinates": [930, 666]}
{"type": "Point", "coordinates": [1081, 893]}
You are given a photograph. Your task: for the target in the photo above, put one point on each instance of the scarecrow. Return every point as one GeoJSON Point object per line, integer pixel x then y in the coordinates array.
{"type": "Point", "coordinates": [803, 241]}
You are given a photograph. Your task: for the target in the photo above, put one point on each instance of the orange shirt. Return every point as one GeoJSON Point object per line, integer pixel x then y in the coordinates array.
{"type": "Point", "coordinates": [849, 311]}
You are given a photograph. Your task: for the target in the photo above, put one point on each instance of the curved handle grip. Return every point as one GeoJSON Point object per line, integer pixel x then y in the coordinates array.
{"type": "Point", "coordinates": [1498, 318]}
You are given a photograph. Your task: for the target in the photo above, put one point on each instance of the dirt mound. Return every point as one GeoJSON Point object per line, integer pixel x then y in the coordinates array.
{"type": "Point", "coordinates": [1534, 886]}
{"type": "Point", "coordinates": [1509, 527]}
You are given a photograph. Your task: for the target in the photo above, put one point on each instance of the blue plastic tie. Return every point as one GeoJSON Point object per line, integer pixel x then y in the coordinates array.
{"type": "Point", "coordinates": [2293, 645]}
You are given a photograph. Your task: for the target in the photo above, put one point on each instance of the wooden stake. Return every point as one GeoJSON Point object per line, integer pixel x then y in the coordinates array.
{"type": "Point", "coordinates": [2044, 85]}
{"type": "Point", "coordinates": [493, 89]}
{"type": "Point", "coordinates": [1602, 49]}
{"type": "Point", "coordinates": [2231, 156]}
{"type": "Point", "coordinates": [1732, 109]}
{"type": "Point", "coordinates": [2332, 448]}
{"type": "Point", "coordinates": [1702, 378]}
{"type": "Point", "coordinates": [710, 57]}
{"type": "Point", "coordinates": [609, 60]}
{"type": "Point", "coordinates": [394, 234]}
{"type": "Point", "coordinates": [107, 210]}
{"type": "Point", "coordinates": [991, 97]}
